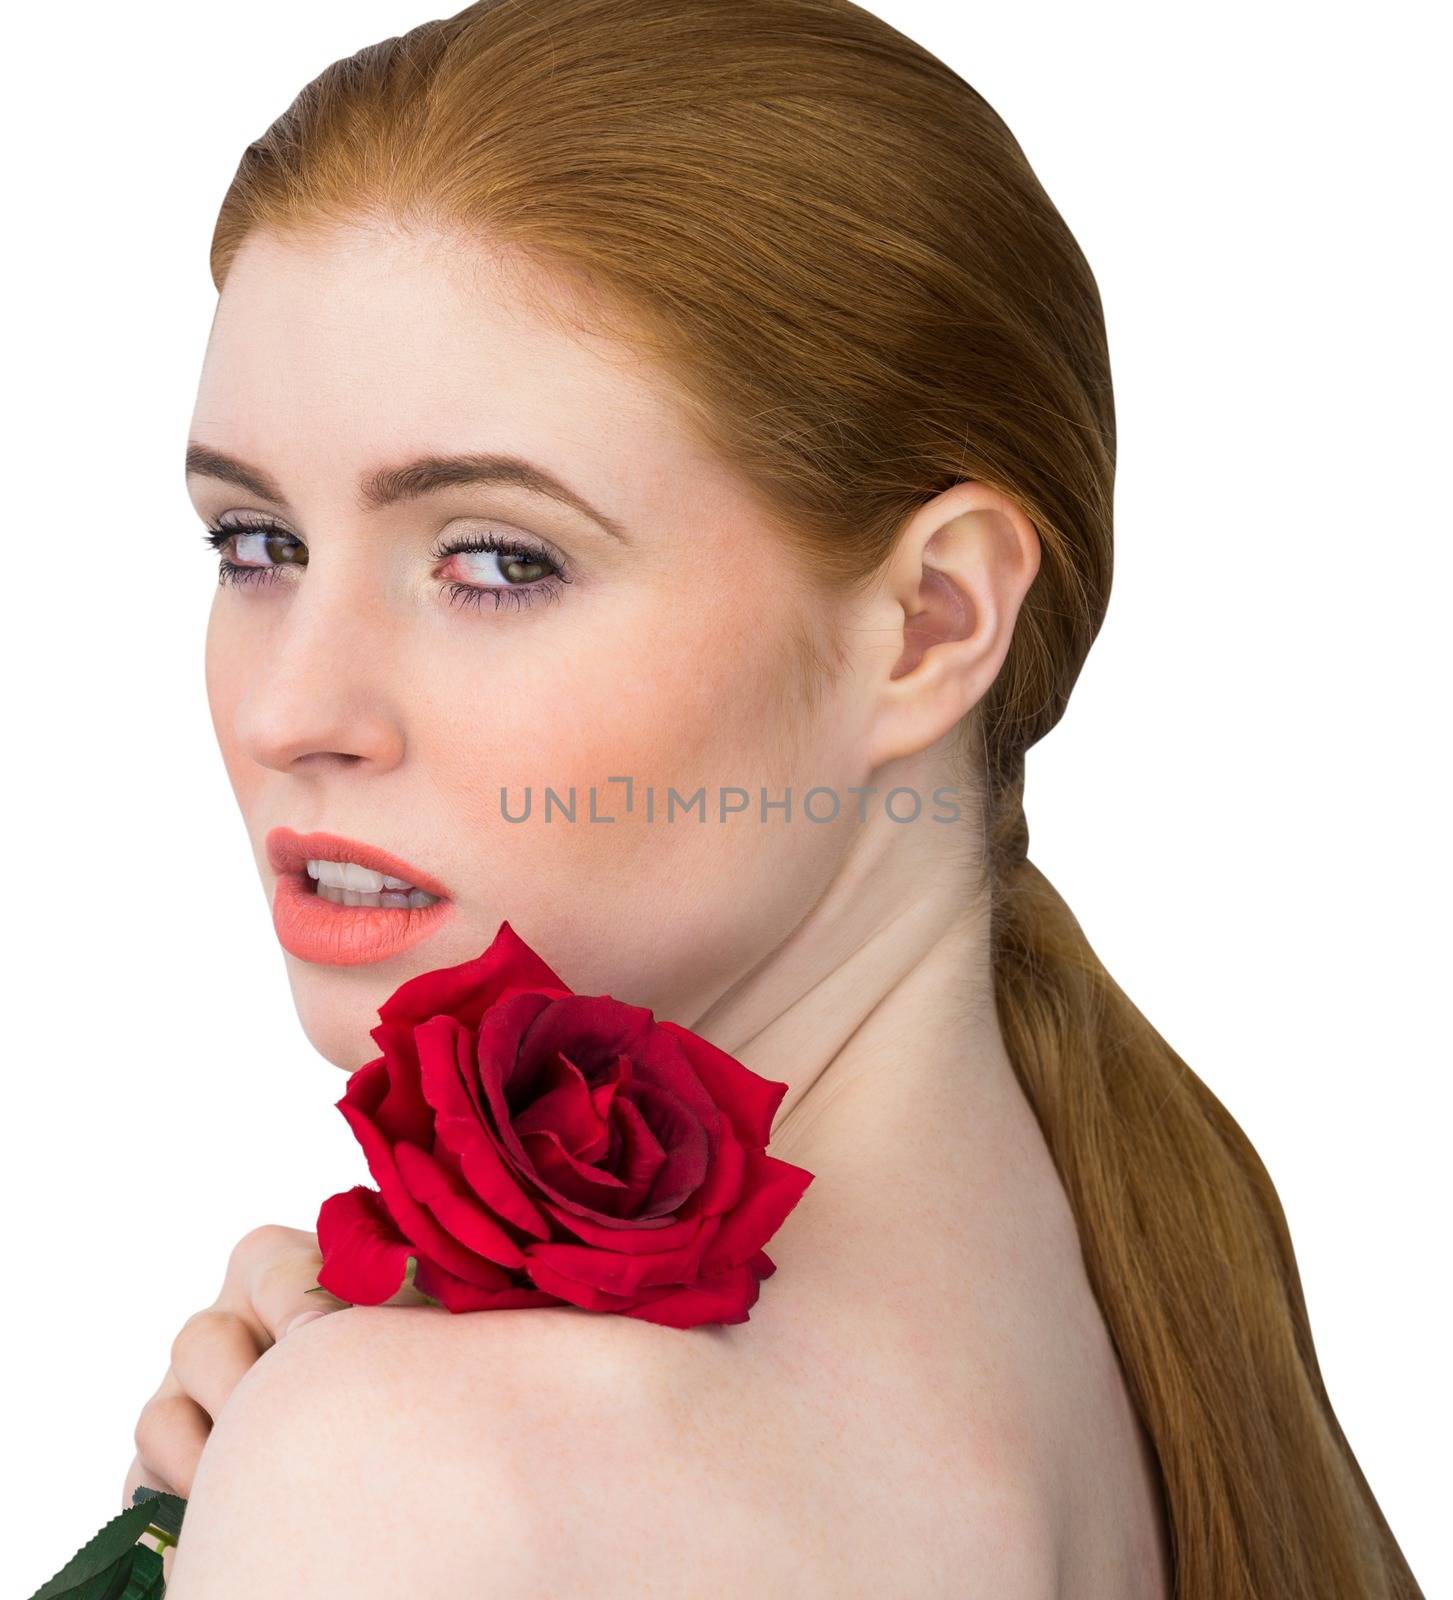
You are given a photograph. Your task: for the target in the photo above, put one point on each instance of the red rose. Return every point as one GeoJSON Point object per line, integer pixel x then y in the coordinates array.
{"type": "Point", "coordinates": [533, 1146]}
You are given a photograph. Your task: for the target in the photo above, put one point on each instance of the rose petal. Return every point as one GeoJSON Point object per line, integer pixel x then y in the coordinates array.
{"type": "Point", "coordinates": [501, 1083]}
{"type": "Point", "coordinates": [564, 1104]}
{"type": "Point", "coordinates": [455, 1295]}
{"type": "Point", "coordinates": [458, 1213]}
{"type": "Point", "coordinates": [604, 1090]}
{"type": "Point", "coordinates": [465, 992]}
{"type": "Point", "coordinates": [364, 1259]}
{"type": "Point", "coordinates": [488, 1176]}
{"type": "Point", "coordinates": [398, 1109]}
{"type": "Point", "coordinates": [449, 1057]}
{"type": "Point", "coordinates": [750, 1100]}
{"type": "Point", "coordinates": [366, 1087]}
{"type": "Point", "coordinates": [623, 1274]}
{"type": "Point", "coordinates": [592, 1030]}
{"type": "Point", "coordinates": [770, 1189]}
{"type": "Point", "coordinates": [641, 1156]}
{"type": "Point", "coordinates": [660, 1061]}
{"type": "Point", "coordinates": [685, 1140]}
{"type": "Point", "coordinates": [464, 1137]}
{"type": "Point", "coordinates": [573, 1180]}
{"type": "Point", "coordinates": [629, 1235]}
{"type": "Point", "coordinates": [493, 1078]}
{"type": "Point", "coordinates": [723, 1186]}
{"type": "Point", "coordinates": [584, 1295]}
{"type": "Point", "coordinates": [489, 1064]}
{"type": "Point", "coordinates": [725, 1298]}
{"type": "Point", "coordinates": [442, 1045]}
{"type": "Point", "coordinates": [411, 1219]}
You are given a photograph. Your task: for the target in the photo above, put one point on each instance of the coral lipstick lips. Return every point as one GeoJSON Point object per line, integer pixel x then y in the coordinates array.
{"type": "Point", "coordinates": [317, 929]}
{"type": "Point", "coordinates": [291, 852]}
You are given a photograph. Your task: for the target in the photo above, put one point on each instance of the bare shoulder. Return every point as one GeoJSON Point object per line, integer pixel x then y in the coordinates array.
{"type": "Point", "coordinates": [384, 1444]}
{"type": "Point", "coordinates": [551, 1452]}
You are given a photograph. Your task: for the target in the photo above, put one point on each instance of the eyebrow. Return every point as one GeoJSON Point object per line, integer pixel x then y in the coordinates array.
{"type": "Point", "coordinates": [387, 486]}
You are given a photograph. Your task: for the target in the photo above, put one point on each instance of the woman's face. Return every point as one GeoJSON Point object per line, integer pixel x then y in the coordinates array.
{"type": "Point", "coordinates": [366, 681]}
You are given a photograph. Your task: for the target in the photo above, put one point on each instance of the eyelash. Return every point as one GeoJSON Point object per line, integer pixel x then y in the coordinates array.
{"type": "Point", "coordinates": [218, 535]}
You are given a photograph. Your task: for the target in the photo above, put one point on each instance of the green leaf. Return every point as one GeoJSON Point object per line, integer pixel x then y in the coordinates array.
{"type": "Point", "coordinates": [112, 1583]}
{"type": "Point", "coordinates": [167, 1510]}
{"type": "Point", "coordinates": [145, 1580]}
{"type": "Point", "coordinates": [97, 1560]}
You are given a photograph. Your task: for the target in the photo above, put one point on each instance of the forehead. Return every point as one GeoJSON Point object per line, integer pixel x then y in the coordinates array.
{"type": "Point", "coordinates": [329, 355]}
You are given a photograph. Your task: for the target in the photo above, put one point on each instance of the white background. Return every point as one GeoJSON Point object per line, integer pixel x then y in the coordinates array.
{"type": "Point", "coordinates": [1243, 804]}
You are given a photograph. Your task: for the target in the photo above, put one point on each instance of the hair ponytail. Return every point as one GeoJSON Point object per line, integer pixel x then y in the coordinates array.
{"type": "Point", "coordinates": [1189, 1256]}
{"type": "Point", "coordinates": [862, 294]}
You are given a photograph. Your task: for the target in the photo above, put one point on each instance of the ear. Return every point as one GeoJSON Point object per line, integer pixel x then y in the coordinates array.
{"type": "Point", "coordinates": [944, 612]}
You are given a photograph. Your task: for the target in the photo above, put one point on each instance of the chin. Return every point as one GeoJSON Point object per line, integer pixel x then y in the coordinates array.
{"type": "Point", "coordinates": [348, 1049]}
{"type": "Point", "coordinates": [338, 1027]}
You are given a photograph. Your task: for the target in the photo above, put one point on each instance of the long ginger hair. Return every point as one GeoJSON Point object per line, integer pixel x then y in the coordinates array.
{"type": "Point", "coordinates": [840, 253]}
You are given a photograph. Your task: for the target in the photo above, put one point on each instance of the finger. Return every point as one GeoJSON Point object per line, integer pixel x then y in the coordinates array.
{"type": "Point", "coordinates": [168, 1386]}
{"type": "Point", "coordinates": [210, 1356]}
{"type": "Point", "coordinates": [139, 1473]}
{"type": "Point", "coordinates": [261, 1245]}
{"type": "Point", "coordinates": [139, 1476]}
{"type": "Point", "coordinates": [169, 1437]}
{"type": "Point", "coordinates": [279, 1290]}
{"type": "Point", "coordinates": [255, 1257]}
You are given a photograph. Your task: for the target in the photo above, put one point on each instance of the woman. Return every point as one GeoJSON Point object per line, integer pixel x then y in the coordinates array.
{"type": "Point", "coordinates": [710, 395]}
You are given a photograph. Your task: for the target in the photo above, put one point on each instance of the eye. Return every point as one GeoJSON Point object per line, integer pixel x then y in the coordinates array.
{"type": "Point", "coordinates": [523, 573]}
{"type": "Point", "coordinates": [258, 550]}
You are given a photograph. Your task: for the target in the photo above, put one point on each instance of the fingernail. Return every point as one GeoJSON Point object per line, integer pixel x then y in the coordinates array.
{"type": "Point", "coordinates": [302, 1317]}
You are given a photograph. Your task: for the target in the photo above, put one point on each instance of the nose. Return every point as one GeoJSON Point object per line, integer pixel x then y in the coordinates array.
{"type": "Point", "coordinates": [319, 692]}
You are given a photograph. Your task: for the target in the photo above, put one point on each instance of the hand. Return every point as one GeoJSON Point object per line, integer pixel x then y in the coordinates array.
{"type": "Point", "coordinates": [263, 1296]}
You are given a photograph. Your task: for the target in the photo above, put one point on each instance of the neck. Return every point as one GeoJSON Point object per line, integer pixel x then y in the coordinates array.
{"type": "Point", "coordinates": [886, 989]}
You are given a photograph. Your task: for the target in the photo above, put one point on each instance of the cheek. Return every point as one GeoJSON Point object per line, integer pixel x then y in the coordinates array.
{"type": "Point", "coordinates": [659, 695]}
{"type": "Point", "coordinates": [225, 665]}
{"type": "Point", "coordinates": [651, 897]}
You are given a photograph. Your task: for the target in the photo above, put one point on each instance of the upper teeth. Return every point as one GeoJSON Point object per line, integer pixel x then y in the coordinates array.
{"type": "Point", "coordinates": [349, 875]}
